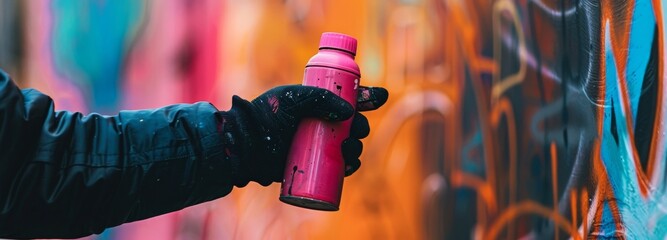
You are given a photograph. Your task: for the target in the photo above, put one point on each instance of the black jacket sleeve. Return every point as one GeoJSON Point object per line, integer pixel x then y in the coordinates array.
{"type": "Point", "coordinates": [66, 175]}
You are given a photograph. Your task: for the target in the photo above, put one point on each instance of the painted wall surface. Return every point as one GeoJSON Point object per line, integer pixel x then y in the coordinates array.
{"type": "Point", "coordinates": [532, 119]}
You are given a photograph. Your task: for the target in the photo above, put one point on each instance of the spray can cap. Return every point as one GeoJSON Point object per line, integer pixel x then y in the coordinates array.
{"type": "Point", "coordinates": [338, 41]}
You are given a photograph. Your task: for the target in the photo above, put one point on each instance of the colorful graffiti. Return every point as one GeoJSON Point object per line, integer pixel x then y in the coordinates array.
{"type": "Point", "coordinates": [560, 120]}
{"type": "Point", "coordinates": [532, 119]}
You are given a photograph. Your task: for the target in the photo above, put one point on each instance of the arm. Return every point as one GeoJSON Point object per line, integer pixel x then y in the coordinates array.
{"type": "Point", "coordinates": [66, 175]}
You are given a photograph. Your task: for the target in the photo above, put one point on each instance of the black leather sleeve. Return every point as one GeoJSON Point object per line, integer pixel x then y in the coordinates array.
{"type": "Point", "coordinates": [66, 175]}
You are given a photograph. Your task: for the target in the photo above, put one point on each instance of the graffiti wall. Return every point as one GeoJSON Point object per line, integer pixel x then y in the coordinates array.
{"type": "Point", "coordinates": [531, 119]}
{"type": "Point", "coordinates": [556, 127]}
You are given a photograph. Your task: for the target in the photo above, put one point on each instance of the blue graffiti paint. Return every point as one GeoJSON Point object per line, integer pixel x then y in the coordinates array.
{"type": "Point", "coordinates": [607, 227]}
{"type": "Point", "coordinates": [609, 149]}
{"type": "Point", "coordinates": [90, 41]}
{"type": "Point", "coordinates": [639, 50]}
{"type": "Point", "coordinates": [473, 165]}
{"type": "Point", "coordinates": [617, 156]}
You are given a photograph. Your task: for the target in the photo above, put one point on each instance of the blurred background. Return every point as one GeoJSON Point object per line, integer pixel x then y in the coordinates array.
{"type": "Point", "coordinates": [526, 119]}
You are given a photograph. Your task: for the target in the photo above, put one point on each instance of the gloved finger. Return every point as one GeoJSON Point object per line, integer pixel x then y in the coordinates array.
{"type": "Point", "coordinates": [360, 127]}
{"type": "Point", "coordinates": [371, 98]}
{"type": "Point", "coordinates": [265, 182]}
{"type": "Point", "coordinates": [352, 167]}
{"type": "Point", "coordinates": [351, 148]}
{"type": "Point", "coordinates": [316, 102]}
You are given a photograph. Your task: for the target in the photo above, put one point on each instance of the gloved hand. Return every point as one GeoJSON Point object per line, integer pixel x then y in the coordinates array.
{"type": "Point", "coordinates": [269, 122]}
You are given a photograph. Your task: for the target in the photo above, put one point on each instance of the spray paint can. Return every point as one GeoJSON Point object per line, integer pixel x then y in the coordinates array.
{"type": "Point", "coordinates": [315, 167]}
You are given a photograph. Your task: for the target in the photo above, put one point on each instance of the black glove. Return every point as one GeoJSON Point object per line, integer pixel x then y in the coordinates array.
{"type": "Point", "coordinates": [267, 125]}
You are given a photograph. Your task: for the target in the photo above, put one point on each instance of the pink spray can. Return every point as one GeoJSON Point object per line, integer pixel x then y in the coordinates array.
{"type": "Point", "coordinates": [315, 167]}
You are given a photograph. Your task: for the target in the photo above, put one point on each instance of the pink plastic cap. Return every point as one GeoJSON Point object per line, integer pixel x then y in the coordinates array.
{"type": "Point", "coordinates": [338, 41]}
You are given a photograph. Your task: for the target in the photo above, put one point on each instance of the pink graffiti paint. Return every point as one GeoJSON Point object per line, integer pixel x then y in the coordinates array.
{"type": "Point", "coordinates": [315, 167]}
{"type": "Point", "coordinates": [273, 100]}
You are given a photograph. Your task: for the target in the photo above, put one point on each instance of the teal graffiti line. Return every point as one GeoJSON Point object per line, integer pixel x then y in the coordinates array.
{"type": "Point", "coordinates": [642, 29]}
{"type": "Point", "coordinates": [90, 42]}
{"type": "Point", "coordinates": [617, 156]}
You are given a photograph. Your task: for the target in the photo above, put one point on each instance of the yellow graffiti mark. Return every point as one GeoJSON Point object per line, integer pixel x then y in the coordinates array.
{"type": "Point", "coordinates": [500, 86]}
